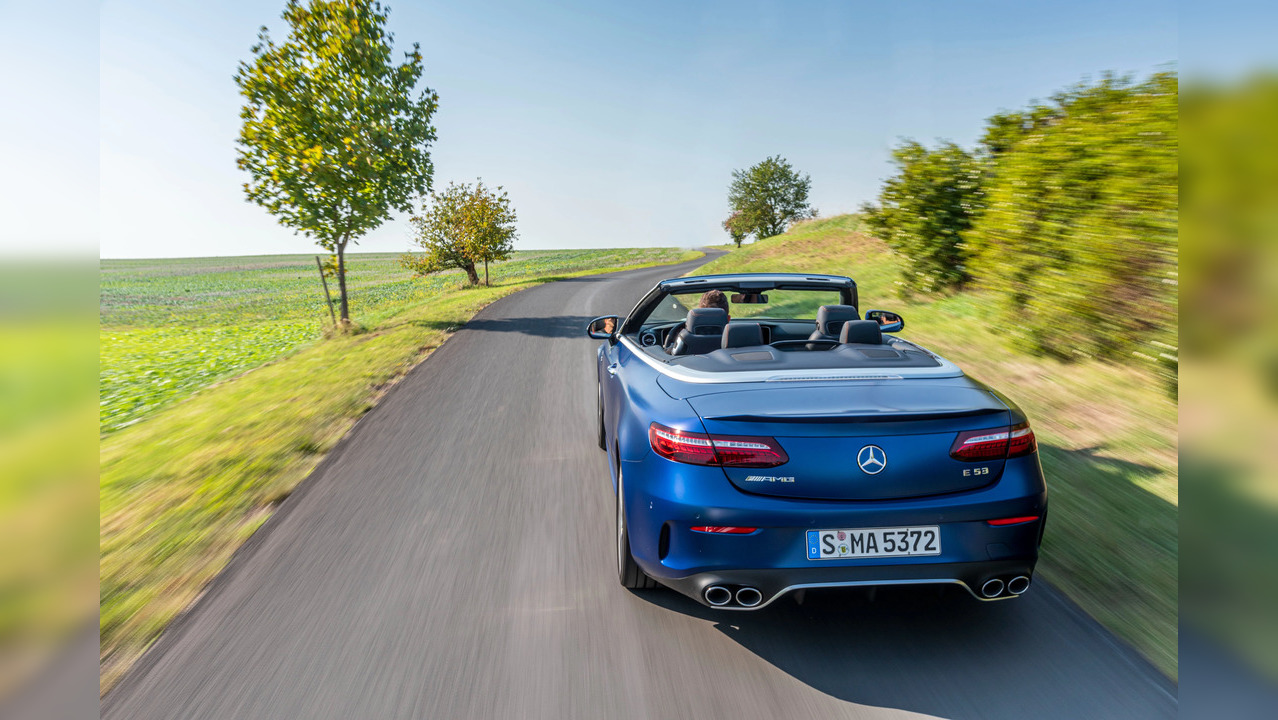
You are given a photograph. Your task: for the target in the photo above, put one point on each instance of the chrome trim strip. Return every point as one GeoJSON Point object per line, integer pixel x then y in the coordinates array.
{"type": "Point", "coordinates": [816, 279]}
{"type": "Point", "coordinates": [947, 369]}
{"type": "Point", "coordinates": [870, 583]}
{"type": "Point", "coordinates": [821, 378]}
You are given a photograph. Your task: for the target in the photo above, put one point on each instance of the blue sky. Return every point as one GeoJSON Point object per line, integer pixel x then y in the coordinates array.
{"type": "Point", "coordinates": [609, 124]}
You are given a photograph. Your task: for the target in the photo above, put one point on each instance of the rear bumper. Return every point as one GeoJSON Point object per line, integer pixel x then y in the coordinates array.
{"type": "Point", "coordinates": [774, 583]}
{"type": "Point", "coordinates": [665, 500]}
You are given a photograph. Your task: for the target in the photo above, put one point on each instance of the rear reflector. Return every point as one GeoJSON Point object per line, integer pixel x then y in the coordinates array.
{"type": "Point", "coordinates": [724, 450]}
{"type": "Point", "coordinates": [723, 529]}
{"type": "Point", "coordinates": [1013, 520]}
{"type": "Point", "coordinates": [994, 444]}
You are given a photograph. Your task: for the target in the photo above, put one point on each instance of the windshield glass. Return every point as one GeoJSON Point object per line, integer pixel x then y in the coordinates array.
{"type": "Point", "coordinates": [783, 304]}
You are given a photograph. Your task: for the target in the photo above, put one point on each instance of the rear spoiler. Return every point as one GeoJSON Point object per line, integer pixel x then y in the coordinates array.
{"type": "Point", "coordinates": [869, 417]}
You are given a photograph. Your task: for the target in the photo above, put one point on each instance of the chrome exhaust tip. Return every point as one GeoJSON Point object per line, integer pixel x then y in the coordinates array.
{"type": "Point", "coordinates": [992, 588]}
{"type": "Point", "coordinates": [1018, 584]}
{"type": "Point", "coordinates": [749, 597]}
{"type": "Point", "coordinates": [718, 595]}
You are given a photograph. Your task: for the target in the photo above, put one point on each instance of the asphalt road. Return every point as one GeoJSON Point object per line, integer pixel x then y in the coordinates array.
{"type": "Point", "coordinates": [453, 558]}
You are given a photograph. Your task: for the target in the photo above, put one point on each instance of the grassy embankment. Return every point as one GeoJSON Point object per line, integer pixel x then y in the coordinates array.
{"type": "Point", "coordinates": [1107, 434]}
{"type": "Point", "coordinates": [218, 396]}
{"type": "Point", "coordinates": [48, 571]}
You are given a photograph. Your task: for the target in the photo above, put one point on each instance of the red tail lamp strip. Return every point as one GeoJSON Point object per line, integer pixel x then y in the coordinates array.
{"type": "Point", "coordinates": [1013, 520]}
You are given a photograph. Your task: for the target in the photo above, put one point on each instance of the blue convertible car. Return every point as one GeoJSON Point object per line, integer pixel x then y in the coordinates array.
{"type": "Point", "coordinates": [765, 437]}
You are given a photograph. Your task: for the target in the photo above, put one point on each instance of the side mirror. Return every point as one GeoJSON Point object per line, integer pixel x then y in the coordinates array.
{"type": "Point", "coordinates": [604, 328]}
{"type": "Point", "coordinates": [889, 322]}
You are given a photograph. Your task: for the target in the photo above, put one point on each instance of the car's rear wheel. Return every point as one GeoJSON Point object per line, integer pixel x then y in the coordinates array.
{"type": "Point", "coordinates": [628, 572]}
{"type": "Point", "coordinates": [603, 442]}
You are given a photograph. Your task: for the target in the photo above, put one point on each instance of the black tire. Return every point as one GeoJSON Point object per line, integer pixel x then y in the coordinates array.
{"type": "Point", "coordinates": [603, 442]}
{"type": "Point", "coordinates": [628, 572]}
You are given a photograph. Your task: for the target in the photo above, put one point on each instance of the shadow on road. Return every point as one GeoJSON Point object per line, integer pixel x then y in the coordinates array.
{"type": "Point", "coordinates": [851, 643]}
{"type": "Point", "coordinates": [557, 326]}
{"type": "Point", "coordinates": [582, 278]}
{"type": "Point", "coordinates": [934, 651]}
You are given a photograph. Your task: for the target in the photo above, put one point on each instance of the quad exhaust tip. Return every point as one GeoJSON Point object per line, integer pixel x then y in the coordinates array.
{"type": "Point", "coordinates": [718, 595]}
{"type": "Point", "coordinates": [749, 597]}
{"type": "Point", "coordinates": [1018, 584]}
{"type": "Point", "coordinates": [992, 588]}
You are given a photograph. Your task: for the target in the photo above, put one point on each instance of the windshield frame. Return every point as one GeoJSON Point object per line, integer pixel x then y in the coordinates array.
{"type": "Point", "coordinates": [736, 283]}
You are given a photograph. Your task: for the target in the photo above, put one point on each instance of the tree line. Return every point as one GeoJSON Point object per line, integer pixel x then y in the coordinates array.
{"type": "Point", "coordinates": [1066, 211]}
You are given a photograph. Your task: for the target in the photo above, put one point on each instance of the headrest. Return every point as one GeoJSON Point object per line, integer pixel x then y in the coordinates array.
{"type": "Point", "coordinates": [830, 318]}
{"type": "Point", "coordinates": [861, 331]}
{"type": "Point", "coordinates": [742, 335]}
{"type": "Point", "coordinates": [706, 321]}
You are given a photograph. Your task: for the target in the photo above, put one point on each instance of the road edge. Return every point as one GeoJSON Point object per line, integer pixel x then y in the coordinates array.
{"type": "Point", "coordinates": [177, 627]}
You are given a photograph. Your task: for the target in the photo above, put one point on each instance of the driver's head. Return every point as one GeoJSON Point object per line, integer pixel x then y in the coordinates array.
{"type": "Point", "coordinates": [714, 298]}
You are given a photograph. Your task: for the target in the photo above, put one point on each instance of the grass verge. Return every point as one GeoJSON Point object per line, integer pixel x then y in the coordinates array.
{"type": "Point", "coordinates": [1108, 434]}
{"type": "Point", "coordinates": [170, 327]}
{"type": "Point", "coordinates": [182, 490]}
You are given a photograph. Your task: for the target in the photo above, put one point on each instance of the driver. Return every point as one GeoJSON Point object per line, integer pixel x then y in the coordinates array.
{"type": "Point", "coordinates": [715, 298]}
{"type": "Point", "coordinates": [709, 299]}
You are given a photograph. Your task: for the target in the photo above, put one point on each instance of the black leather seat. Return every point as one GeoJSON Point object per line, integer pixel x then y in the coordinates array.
{"type": "Point", "coordinates": [702, 332]}
{"type": "Point", "coordinates": [742, 335]}
{"type": "Point", "coordinates": [864, 332]}
{"type": "Point", "coordinates": [830, 319]}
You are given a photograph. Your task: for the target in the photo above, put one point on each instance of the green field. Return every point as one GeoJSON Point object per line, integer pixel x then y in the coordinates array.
{"type": "Point", "coordinates": [171, 327]}
{"type": "Point", "coordinates": [1107, 433]}
{"type": "Point", "coordinates": [190, 467]}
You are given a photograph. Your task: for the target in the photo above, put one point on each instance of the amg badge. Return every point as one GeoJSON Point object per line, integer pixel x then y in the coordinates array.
{"type": "Point", "coordinates": [769, 478]}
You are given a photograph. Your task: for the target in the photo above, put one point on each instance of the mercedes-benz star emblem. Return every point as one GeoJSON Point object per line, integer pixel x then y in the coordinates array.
{"type": "Point", "coordinates": [871, 459]}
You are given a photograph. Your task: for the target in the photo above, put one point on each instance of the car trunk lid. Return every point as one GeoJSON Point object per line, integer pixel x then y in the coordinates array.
{"type": "Point", "coordinates": [850, 441]}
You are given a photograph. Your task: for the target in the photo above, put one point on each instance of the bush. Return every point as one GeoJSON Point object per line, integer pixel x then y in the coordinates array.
{"type": "Point", "coordinates": [1079, 233]}
{"type": "Point", "coordinates": [923, 211]}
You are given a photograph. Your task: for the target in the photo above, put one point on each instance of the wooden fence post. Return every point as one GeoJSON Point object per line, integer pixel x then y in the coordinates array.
{"type": "Point", "coordinates": [328, 298]}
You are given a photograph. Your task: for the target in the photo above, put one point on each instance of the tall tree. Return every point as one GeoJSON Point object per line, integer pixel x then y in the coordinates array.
{"type": "Point", "coordinates": [334, 133]}
{"type": "Point", "coordinates": [735, 225]}
{"type": "Point", "coordinates": [923, 211]}
{"type": "Point", "coordinates": [463, 225]}
{"type": "Point", "coordinates": [767, 197]}
{"type": "Point", "coordinates": [491, 225]}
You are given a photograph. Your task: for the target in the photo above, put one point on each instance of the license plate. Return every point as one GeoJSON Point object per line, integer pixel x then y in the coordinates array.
{"type": "Point", "coordinates": [873, 542]}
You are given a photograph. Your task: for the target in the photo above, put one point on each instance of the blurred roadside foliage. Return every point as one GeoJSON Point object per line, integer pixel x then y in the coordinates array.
{"type": "Point", "coordinates": [48, 463]}
{"type": "Point", "coordinates": [1066, 211]}
{"type": "Point", "coordinates": [1079, 233]}
{"type": "Point", "coordinates": [1229, 398]}
{"type": "Point", "coordinates": [924, 210]}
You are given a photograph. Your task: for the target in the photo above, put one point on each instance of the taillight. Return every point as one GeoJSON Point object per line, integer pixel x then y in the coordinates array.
{"type": "Point", "coordinates": [680, 446]}
{"type": "Point", "coordinates": [974, 445]}
{"type": "Point", "coordinates": [1021, 441]}
{"type": "Point", "coordinates": [723, 529]}
{"type": "Point", "coordinates": [1012, 520]}
{"type": "Point", "coordinates": [724, 450]}
{"type": "Point", "coordinates": [994, 444]}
